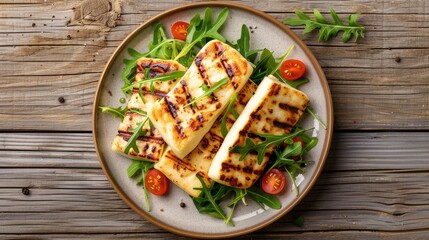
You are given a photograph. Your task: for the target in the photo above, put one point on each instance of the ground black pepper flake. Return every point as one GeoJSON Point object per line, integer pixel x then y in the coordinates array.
{"type": "Point", "coordinates": [110, 93]}
{"type": "Point", "coordinates": [68, 37]}
{"type": "Point", "coordinates": [33, 25]}
{"type": "Point", "coordinates": [182, 205]}
{"type": "Point", "coordinates": [397, 59]}
{"type": "Point", "coordinates": [162, 209]}
{"type": "Point", "coordinates": [61, 100]}
{"type": "Point", "coordinates": [25, 191]}
{"type": "Point", "coordinates": [252, 31]}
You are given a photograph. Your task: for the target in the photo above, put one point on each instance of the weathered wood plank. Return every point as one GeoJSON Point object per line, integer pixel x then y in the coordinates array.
{"type": "Point", "coordinates": [364, 76]}
{"type": "Point", "coordinates": [367, 235]}
{"type": "Point", "coordinates": [372, 182]}
{"type": "Point", "coordinates": [356, 151]}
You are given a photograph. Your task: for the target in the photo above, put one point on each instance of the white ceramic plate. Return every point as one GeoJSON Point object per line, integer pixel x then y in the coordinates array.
{"type": "Point", "coordinates": [166, 211]}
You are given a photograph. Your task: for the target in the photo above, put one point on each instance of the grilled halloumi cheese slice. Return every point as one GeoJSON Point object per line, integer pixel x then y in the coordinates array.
{"type": "Point", "coordinates": [184, 172]}
{"type": "Point", "coordinates": [151, 144]}
{"type": "Point", "coordinates": [182, 126]}
{"type": "Point", "coordinates": [274, 109]}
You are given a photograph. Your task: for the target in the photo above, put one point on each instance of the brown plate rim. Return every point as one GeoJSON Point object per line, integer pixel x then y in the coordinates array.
{"type": "Point", "coordinates": [325, 150]}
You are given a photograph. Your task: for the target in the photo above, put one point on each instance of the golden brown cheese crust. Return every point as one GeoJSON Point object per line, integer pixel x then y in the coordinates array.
{"type": "Point", "coordinates": [151, 144]}
{"type": "Point", "coordinates": [181, 126]}
{"type": "Point", "coordinates": [275, 109]}
{"type": "Point", "coordinates": [183, 172]}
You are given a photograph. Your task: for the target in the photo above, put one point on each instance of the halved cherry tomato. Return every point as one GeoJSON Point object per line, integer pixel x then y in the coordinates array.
{"type": "Point", "coordinates": [292, 69]}
{"type": "Point", "coordinates": [156, 182]}
{"type": "Point", "coordinates": [273, 182]}
{"type": "Point", "coordinates": [179, 30]}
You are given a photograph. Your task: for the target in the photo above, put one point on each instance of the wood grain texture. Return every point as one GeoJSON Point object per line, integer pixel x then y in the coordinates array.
{"type": "Point", "coordinates": [371, 183]}
{"type": "Point", "coordinates": [64, 59]}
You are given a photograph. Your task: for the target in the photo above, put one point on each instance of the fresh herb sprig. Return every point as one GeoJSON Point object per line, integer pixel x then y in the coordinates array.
{"type": "Point", "coordinates": [209, 199]}
{"type": "Point", "coordinates": [290, 158]}
{"type": "Point", "coordinates": [268, 64]}
{"type": "Point", "coordinates": [201, 29]}
{"type": "Point", "coordinates": [326, 28]}
{"type": "Point", "coordinates": [208, 91]}
{"type": "Point", "coordinates": [243, 45]}
{"type": "Point", "coordinates": [261, 148]}
{"type": "Point", "coordinates": [132, 141]}
{"type": "Point", "coordinates": [211, 196]}
{"type": "Point", "coordinates": [138, 167]}
{"type": "Point", "coordinates": [162, 78]}
{"type": "Point", "coordinates": [118, 112]}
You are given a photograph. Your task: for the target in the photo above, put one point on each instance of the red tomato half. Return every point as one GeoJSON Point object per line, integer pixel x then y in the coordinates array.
{"type": "Point", "coordinates": [179, 30]}
{"type": "Point", "coordinates": [292, 69]}
{"type": "Point", "coordinates": [156, 182]}
{"type": "Point", "coordinates": [273, 182]}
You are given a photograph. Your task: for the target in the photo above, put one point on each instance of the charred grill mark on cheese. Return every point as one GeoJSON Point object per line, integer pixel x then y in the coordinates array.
{"type": "Point", "coordinates": [185, 90]}
{"type": "Point", "coordinates": [275, 89]}
{"type": "Point", "coordinates": [230, 71]}
{"type": "Point", "coordinates": [227, 68]}
{"type": "Point", "coordinates": [287, 107]}
{"type": "Point", "coordinates": [156, 68]}
{"type": "Point", "coordinates": [157, 93]}
{"type": "Point", "coordinates": [127, 135]}
{"type": "Point", "coordinates": [179, 130]}
{"type": "Point", "coordinates": [163, 66]}
{"type": "Point", "coordinates": [215, 137]}
{"type": "Point", "coordinates": [200, 118]}
{"type": "Point", "coordinates": [201, 68]}
{"type": "Point", "coordinates": [142, 65]}
{"type": "Point", "coordinates": [282, 125]}
{"type": "Point", "coordinates": [231, 180]}
{"type": "Point", "coordinates": [219, 49]}
{"type": "Point", "coordinates": [171, 107]}
{"type": "Point", "coordinates": [179, 163]}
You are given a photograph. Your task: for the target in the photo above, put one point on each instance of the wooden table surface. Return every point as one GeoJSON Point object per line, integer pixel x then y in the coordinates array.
{"type": "Point", "coordinates": [376, 181]}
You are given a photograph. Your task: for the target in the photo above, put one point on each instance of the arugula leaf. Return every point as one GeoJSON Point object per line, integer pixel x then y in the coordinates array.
{"type": "Point", "coordinates": [268, 65]}
{"type": "Point", "coordinates": [262, 147]}
{"type": "Point", "coordinates": [229, 109]}
{"type": "Point", "coordinates": [162, 78]}
{"type": "Point", "coordinates": [132, 142]}
{"type": "Point", "coordinates": [263, 198]}
{"type": "Point", "coordinates": [144, 167]}
{"type": "Point", "coordinates": [263, 66]}
{"type": "Point", "coordinates": [298, 82]}
{"type": "Point", "coordinates": [209, 91]}
{"type": "Point", "coordinates": [209, 199]}
{"type": "Point", "coordinates": [204, 29]}
{"type": "Point", "coordinates": [328, 29]}
{"type": "Point", "coordinates": [282, 58]}
{"type": "Point", "coordinates": [292, 176]}
{"type": "Point", "coordinates": [243, 45]}
{"type": "Point", "coordinates": [118, 112]}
